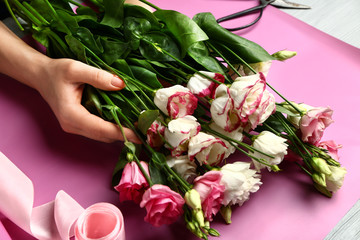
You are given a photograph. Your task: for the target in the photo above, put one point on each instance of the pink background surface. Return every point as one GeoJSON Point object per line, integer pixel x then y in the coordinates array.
{"type": "Point", "coordinates": [325, 72]}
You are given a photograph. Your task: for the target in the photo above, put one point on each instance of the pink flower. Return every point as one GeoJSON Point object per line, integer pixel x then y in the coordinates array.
{"type": "Point", "coordinates": [331, 147]}
{"type": "Point", "coordinates": [163, 205]}
{"type": "Point", "coordinates": [155, 134]}
{"type": "Point", "coordinates": [207, 149]}
{"type": "Point", "coordinates": [254, 103]}
{"type": "Point", "coordinates": [133, 183]}
{"type": "Point", "coordinates": [314, 122]}
{"type": "Point", "coordinates": [211, 192]}
{"type": "Point", "coordinates": [175, 101]}
{"type": "Point", "coordinates": [223, 111]}
{"type": "Point", "coordinates": [202, 86]}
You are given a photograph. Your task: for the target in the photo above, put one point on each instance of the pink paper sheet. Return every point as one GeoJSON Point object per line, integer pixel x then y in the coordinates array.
{"type": "Point", "coordinates": [325, 72]}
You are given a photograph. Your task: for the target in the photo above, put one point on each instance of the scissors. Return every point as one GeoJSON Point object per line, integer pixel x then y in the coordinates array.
{"type": "Point", "coordinates": [260, 8]}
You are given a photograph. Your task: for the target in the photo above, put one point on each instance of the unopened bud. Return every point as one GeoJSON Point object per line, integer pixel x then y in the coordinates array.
{"type": "Point", "coordinates": [275, 168]}
{"type": "Point", "coordinates": [130, 156]}
{"type": "Point", "coordinates": [213, 232]}
{"type": "Point", "coordinates": [192, 199]}
{"type": "Point", "coordinates": [320, 165]}
{"type": "Point", "coordinates": [226, 212]}
{"type": "Point", "coordinates": [284, 55]}
{"type": "Point", "coordinates": [199, 217]}
{"type": "Point", "coordinates": [319, 178]}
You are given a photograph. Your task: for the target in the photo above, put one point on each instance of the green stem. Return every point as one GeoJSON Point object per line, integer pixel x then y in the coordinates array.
{"type": "Point", "coordinates": [223, 57]}
{"type": "Point", "coordinates": [36, 13]}
{"type": "Point", "coordinates": [27, 13]}
{"type": "Point", "coordinates": [150, 4]}
{"type": "Point", "coordinates": [13, 15]}
{"type": "Point", "coordinates": [54, 13]}
{"type": "Point", "coordinates": [180, 180]}
{"type": "Point", "coordinates": [146, 175]}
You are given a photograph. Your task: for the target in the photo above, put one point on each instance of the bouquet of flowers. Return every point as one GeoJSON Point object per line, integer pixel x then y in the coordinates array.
{"type": "Point", "coordinates": [195, 94]}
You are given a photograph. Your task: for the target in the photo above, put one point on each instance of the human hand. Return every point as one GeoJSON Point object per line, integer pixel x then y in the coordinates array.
{"type": "Point", "coordinates": [61, 85]}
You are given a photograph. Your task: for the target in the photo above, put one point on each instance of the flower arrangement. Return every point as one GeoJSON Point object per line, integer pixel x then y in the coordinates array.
{"type": "Point", "coordinates": [197, 94]}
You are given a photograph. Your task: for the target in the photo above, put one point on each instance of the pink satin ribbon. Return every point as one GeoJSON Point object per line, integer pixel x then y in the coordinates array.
{"type": "Point", "coordinates": [57, 219]}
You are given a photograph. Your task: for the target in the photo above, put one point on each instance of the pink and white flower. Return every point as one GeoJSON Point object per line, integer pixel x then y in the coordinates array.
{"type": "Point", "coordinates": [162, 204]}
{"type": "Point", "coordinates": [253, 102]}
{"type": "Point", "coordinates": [270, 144]}
{"type": "Point", "coordinates": [335, 180]}
{"type": "Point", "coordinates": [263, 67]}
{"type": "Point", "coordinates": [211, 192]}
{"type": "Point", "coordinates": [133, 183]}
{"type": "Point", "coordinates": [239, 181]}
{"type": "Point", "coordinates": [223, 111]}
{"type": "Point", "coordinates": [314, 122]}
{"type": "Point", "coordinates": [183, 166]}
{"type": "Point", "coordinates": [203, 87]}
{"type": "Point", "coordinates": [175, 101]}
{"type": "Point", "coordinates": [207, 149]}
{"type": "Point", "coordinates": [155, 134]}
{"type": "Point", "coordinates": [178, 133]}
{"type": "Point", "coordinates": [331, 147]}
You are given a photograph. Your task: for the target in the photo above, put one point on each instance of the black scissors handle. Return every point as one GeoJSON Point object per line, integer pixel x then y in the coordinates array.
{"type": "Point", "coordinates": [260, 8]}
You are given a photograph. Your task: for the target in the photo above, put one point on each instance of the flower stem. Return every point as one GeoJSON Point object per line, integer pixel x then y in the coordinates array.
{"type": "Point", "coordinates": [13, 15]}
{"type": "Point", "coordinates": [150, 4]}
{"type": "Point", "coordinates": [146, 175]}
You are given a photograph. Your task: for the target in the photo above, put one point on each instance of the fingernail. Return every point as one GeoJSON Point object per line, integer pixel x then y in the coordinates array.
{"type": "Point", "coordinates": [117, 82]}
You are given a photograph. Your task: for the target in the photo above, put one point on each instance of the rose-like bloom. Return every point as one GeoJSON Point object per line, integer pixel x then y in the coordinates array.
{"type": "Point", "coordinates": [155, 134]}
{"type": "Point", "coordinates": [314, 122]}
{"type": "Point", "coordinates": [235, 135]}
{"type": "Point", "coordinates": [162, 204]}
{"type": "Point", "coordinates": [331, 147]}
{"type": "Point", "coordinates": [207, 149]}
{"type": "Point", "coordinates": [211, 192]}
{"type": "Point", "coordinates": [223, 111]}
{"type": "Point", "coordinates": [270, 144]}
{"type": "Point", "coordinates": [175, 101]}
{"type": "Point", "coordinates": [203, 87]}
{"type": "Point", "coordinates": [133, 183]}
{"type": "Point", "coordinates": [178, 133]}
{"type": "Point", "coordinates": [183, 166]}
{"type": "Point", "coordinates": [335, 180]}
{"type": "Point", "coordinates": [253, 102]}
{"type": "Point", "coordinates": [239, 181]}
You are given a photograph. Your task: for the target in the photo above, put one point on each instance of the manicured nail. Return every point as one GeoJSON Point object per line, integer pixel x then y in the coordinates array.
{"type": "Point", "coordinates": [117, 82]}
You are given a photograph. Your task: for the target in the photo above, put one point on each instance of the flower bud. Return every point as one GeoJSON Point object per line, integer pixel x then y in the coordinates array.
{"type": "Point", "coordinates": [319, 178]}
{"type": "Point", "coordinates": [226, 213]}
{"type": "Point", "coordinates": [284, 55]}
{"type": "Point", "coordinates": [275, 168]}
{"type": "Point", "coordinates": [192, 199]}
{"type": "Point", "coordinates": [130, 156]}
{"type": "Point", "coordinates": [213, 232]}
{"type": "Point", "coordinates": [320, 165]}
{"type": "Point", "coordinates": [199, 216]}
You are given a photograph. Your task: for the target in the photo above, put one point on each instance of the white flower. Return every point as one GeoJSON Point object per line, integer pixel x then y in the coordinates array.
{"type": "Point", "coordinates": [175, 101]}
{"type": "Point", "coordinates": [235, 135]}
{"type": "Point", "coordinates": [178, 132]}
{"type": "Point", "coordinates": [270, 144]}
{"type": "Point", "coordinates": [207, 149]}
{"type": "Point", "coordinates": [183, 166]}
{"type": "Point", "coordinates": [201, 86]}
{"type": "Point", "coordinates": [239, 181]}
{"type": "Point", "coordinates": [335, 180]}
{"type": "Point", "coordinates": [223, 111]}
{"type": "Point", "coordinates": [155, 134]}
{"type": "Point", "coordinates": [254, 103]}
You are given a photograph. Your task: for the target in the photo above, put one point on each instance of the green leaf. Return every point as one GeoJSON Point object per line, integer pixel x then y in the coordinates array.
{"type": "Point", "coordinates": [114, 13]}
{"type": "Point", "coordinates": [146, 76]}
{"type": "Point", "coordinates": [76, 47]}
{"type": "Point", "coordinates": [156, 166]}
{"type": "Point", "coordinates": [84, 12]}
{"type": "Point", "coordinates": [249, 51]}
{"type": "Point", "coordinates": [134, 29]}
{"type": "Point", "coordinates": [89, 40]}
{"type": "Point", "coordinates": [199, 52]}
{"type": "Point", "coordinates": [146, 118]}
{"type": "Point", "coordinates": [113, 49]}
{"type": "Point", "coordinates": [136, 11]}
{"type": "Point", "coordinates": [162, 42]}
{"type": "Point", "coordinates": [280, 108]}
{"type": "Point", "coordinates": [68, 20]}
{"type": "Point", "coordinates": [100, 29]}
{"type": "Point", "coordinates": [184, 29]}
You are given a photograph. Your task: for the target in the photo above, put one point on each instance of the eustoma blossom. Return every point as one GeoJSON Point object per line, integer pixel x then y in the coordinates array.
{"type": "Point", "coordinates": [179, 132]}
{"type": "Point", "coordinates": [253, 101]}
{"type": "Point", "coordinates": [175, 101]}
{"type": "Point", "coordinates": [133, 183]}
{"type": "Point", "coordinates": [202, 86]}
{"type": "Point", "coordinates": [162, 204]}
{"type": "Point", "coordinates": [155, 134]}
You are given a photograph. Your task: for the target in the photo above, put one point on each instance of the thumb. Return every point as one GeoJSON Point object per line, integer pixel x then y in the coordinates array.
{"type": "Point", "coordinates": [98, 78]}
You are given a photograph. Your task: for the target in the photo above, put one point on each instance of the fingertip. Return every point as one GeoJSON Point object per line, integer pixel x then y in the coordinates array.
{"type": "Point", "coordinates": [117, 82]}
